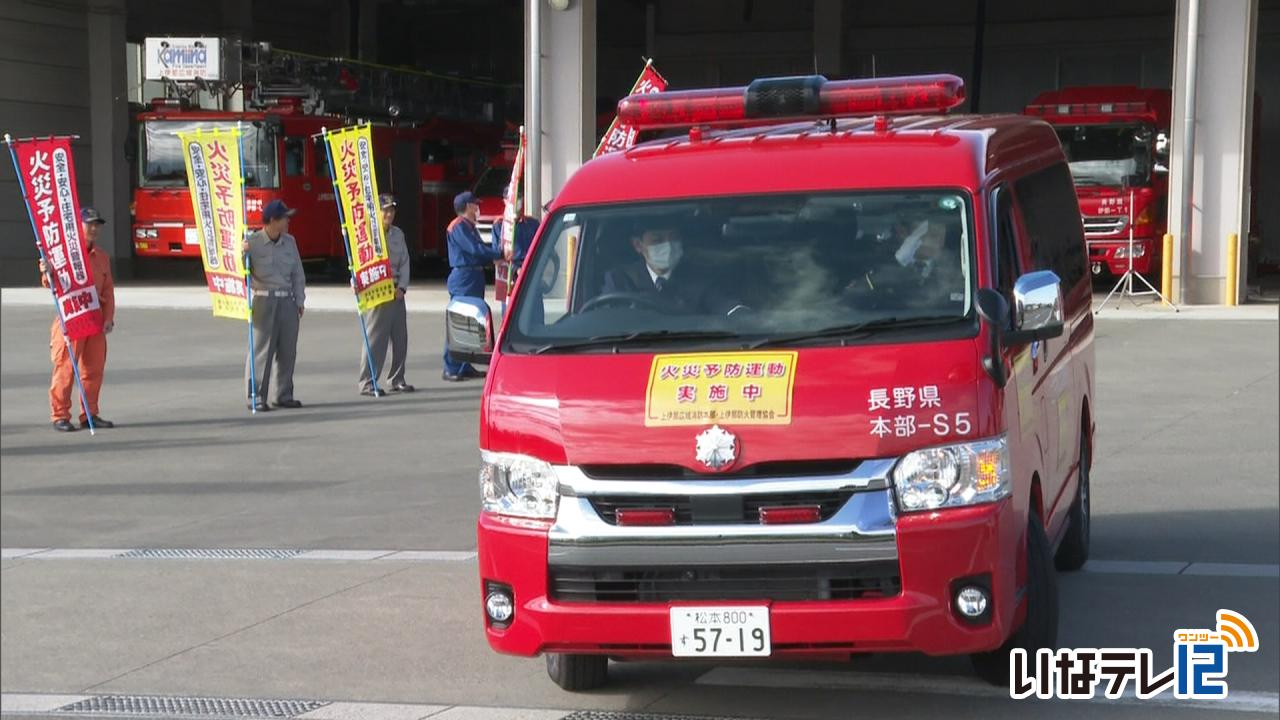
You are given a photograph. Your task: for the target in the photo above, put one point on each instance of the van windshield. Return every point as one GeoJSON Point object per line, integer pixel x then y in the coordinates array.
{"type": "Point", "coordinates": [162, 162]}
{"type": "Point", "coordinates": [752, 271]}
{"type": "Point", "coordinates": [1108, 155]}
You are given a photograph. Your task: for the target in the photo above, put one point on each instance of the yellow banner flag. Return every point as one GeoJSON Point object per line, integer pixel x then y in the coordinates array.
{"type": "Point", "coordinates": [356, 184]}
{"type": "Point", "coordinates": [215, 178]}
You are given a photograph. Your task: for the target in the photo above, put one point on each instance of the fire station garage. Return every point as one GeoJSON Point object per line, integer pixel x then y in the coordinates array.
{"type": "Point", "coordinates": [78, 67]}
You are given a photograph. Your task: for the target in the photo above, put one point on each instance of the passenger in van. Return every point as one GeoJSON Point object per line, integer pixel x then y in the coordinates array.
{"type": "Point", "coordinates": [661, 248]}
{"type": "Point", "coordinates": [931, 252]}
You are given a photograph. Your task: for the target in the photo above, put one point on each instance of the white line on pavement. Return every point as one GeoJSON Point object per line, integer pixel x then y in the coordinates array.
{"type": "Point", "coordinates": [1237, 701]}
{"type": "Point", "coordinates": [225, 554]}
{"type": "Point", "coordinates": [1233, 570]}
{"type": "Point", "coordinates": [1179, 567]}
{"type": "Point", "coordinates": [17, 703]}
{"type": "Point", "coordinates": [13, 553]}
{"type": "Point", "coordinates": [26, 703]}
{"type": "Point", "coordinates": [1135, 567]}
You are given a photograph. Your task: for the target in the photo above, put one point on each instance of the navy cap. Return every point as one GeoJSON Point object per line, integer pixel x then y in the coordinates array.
{"type": "Point", "coordinates": [386, 200]}
{"type": "Point", "coordinates": [91, 215]}
{"type": "Point", "coordinates": [276, 209]}
{"type": "Point", "coordinates": [461, 200]}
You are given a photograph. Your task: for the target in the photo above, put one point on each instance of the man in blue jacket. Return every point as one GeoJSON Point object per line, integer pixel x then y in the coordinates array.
{"type": "Point", "coordinates": [468, 256]}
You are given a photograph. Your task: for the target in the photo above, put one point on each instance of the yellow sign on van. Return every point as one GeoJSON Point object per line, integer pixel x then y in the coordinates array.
{"type": "Point", "coordinates": [730, 388]}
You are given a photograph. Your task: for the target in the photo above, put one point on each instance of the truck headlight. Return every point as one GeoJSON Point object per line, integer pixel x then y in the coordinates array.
{"type": "Point", "coordinates": [1139, 249]}
{"type": "Point", "coordinates": [953, 475]}
{"type": "Point", "coordinates": [517, 485]}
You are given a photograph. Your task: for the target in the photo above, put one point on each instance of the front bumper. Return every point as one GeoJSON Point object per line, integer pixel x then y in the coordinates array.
{"type": "Point", "coordinates": [932, 551]}
{"type": "Point", "coordinates": [172, 239]}
{"type": "Point", "coordinates": [1111, 256]}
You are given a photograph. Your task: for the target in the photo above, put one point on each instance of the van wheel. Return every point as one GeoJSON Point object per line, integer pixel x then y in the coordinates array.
{"type": "Point", "coordinates": [578, 672]}
{"type": "Point", "coordinates": [1073, 553]}
{"type": "Point", "coordinates": [1040, 630]}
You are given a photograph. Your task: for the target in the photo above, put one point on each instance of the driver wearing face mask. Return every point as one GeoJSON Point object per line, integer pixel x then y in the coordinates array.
{"type": "Point", "coordinates": [661, 248]}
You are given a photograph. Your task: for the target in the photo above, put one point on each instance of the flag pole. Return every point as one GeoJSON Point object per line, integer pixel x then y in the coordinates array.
{"type": "Point", "coordinates": [346, 245]}
{"type": "Point", "coordinates": [248, 280]}
{"type": "Point", "coordinates": [48, 270]}
{"type": "Point", "coordinates": [648, 62]}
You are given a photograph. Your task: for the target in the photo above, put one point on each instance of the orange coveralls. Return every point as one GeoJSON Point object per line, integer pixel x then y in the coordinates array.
{"type": "Point", "coordinates": [91, 352]}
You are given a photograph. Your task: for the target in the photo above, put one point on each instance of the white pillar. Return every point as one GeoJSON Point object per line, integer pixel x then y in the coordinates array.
{"type": "Point", "coordinates": [828, 37]}
{"type": "Point", "coordinates": [1223, 144]}
{"type": "Point", "coordinates": [109, 124]}
{"type": "Point", "coordinates": [567, 114]}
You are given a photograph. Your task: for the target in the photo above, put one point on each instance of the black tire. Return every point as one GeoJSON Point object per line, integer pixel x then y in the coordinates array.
{"type": "Point", "coordinates": [1073, 553]}
{"type": "Point", "coordinates": [576, 673]}
{"type": "Point", "coordinates": [1040, 630]}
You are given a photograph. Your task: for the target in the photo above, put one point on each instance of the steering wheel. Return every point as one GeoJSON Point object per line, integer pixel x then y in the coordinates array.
{"type": "Point", "coordinates": [622, 298]}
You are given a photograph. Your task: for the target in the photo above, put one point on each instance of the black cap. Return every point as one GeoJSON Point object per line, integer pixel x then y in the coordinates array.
{"type": "Point", "coordinates": [386, 200]}
{"type": "Point", "coordinates": [91, 215]}
{"type": "Point", "coordinates": [276, 209]}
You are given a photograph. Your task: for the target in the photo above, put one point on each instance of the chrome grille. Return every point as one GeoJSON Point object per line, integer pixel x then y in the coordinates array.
{"type": "Point", "coordinates": [1104, 224]}
{"type": "Point", "coordinates": [720, 511]}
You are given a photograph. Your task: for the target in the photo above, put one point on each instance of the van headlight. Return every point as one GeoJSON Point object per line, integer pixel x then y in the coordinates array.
{"type": "Point", "coordinates": [953, 475]}
{"type": "Point", "coordinates": [517, 485]}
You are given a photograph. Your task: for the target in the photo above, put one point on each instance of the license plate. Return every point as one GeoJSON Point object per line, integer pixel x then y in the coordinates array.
{"type": "Point", "coordinates": [720, 631]}
{"type": "Point", "coordinates": [1097, 268]}
{"type": "Point", "coordinates": [189, 235]}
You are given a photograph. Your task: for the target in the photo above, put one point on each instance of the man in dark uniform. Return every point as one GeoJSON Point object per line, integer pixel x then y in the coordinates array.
{"type": "Point", "coordinates": [279, 299]}
{"type": "Point", "coordinates": [388, 323]}
{"type": "Point", "coordinates": [526, 228]}
{"type": "Point", "coordinates": [661, 247]}
{"type": "Point", "coordinates": [468, 256]}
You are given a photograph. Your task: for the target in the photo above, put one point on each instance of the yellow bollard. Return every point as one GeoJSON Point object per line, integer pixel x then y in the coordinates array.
{"type": "Point", "coordinates": [1166, 269]}
{"type": "Point", "coordinates": [1233, 262]}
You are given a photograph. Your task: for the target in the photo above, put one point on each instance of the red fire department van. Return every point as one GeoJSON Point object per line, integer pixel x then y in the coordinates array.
{"type": "Point", "coordinates": [1116, 139]}
{"type": "Point", "coordinates": [816, 383]}
{"type": "Point", "coordinates": [281, 159]}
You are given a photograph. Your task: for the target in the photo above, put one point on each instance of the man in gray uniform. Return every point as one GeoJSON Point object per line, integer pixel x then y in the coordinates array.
{"type": "Point", "coordinates": [389, 322]}
{"type": "Point", "coordinates": [279, 297]}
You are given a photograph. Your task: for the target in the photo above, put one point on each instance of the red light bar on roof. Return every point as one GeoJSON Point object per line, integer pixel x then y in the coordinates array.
{"type": "Point", "coordinates": [1089, 108]}
{"type": "Point", "coordinates": [810, 96]}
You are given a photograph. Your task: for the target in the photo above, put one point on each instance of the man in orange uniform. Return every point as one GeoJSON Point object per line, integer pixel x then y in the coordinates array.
{"type": "Point", "coordinates": [91, 352]}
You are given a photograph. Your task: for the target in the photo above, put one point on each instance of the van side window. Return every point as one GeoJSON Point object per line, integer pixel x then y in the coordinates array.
{"type": "Point", "coordinates": [295, 150]}
{"type": "Point", "coordinates": [1007, 266]}
{"type": "Point", "coordinates": [1052, 218]}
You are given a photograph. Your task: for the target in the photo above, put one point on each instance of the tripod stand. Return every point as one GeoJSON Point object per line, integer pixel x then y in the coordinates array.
{"type": "Point", "coordinates": [1124, 285]}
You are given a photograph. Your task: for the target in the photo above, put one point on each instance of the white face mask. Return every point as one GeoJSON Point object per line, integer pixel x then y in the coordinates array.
{"type": "Point", "coordinates": [664, 255]}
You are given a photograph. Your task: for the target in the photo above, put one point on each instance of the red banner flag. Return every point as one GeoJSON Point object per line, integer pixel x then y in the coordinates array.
{"type": "Point", "coordinates": [621, 136]}
{"type": "Point", "coordinates": [49, 183]}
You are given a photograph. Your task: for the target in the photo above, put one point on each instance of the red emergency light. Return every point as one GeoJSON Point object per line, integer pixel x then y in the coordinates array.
{"type": "Point", "coordinates": [646, 517]}
{"type": "Point", "coordinates": [792, 98]}
{"type": "Point", "coordinates": [790, 515]}
{"type": "Point", "coordinates": [1088, 108]}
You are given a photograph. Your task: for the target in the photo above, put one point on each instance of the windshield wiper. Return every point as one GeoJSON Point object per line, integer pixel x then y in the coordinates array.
{"type": "Point", "coordinates": [637, 337]}
{"type": "Point", "coordinates": [867, 326]}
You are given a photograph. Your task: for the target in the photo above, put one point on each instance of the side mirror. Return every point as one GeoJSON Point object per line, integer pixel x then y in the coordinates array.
{"type": "Point", "coordinates": [1037, 308]}
{"type": "Point", "coordinates": [994, 310]}
{"type": "Point", "coordinates": [468, 327]}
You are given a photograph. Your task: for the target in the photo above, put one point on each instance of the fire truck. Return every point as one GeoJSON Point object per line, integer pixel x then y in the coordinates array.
{"type": "Point", "coordinates": [425, 151]}
{"type": "Point", "coordinates": [1116, 139]}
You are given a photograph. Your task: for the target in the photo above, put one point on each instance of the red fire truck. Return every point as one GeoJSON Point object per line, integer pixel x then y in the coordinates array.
{"type": "Point", "coordinates": [1116, 139]}
{"type": "Point", "coordinates": [424, 157]}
